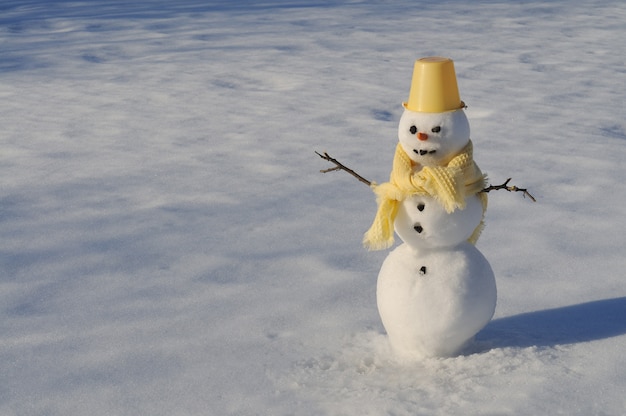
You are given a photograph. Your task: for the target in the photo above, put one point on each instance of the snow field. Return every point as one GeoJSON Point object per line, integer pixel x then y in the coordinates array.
{"type": "Point", "coordinates": [167, 245]}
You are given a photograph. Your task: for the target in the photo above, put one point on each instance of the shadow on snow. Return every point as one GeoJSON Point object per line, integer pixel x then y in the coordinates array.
{"type": "Point", "coordinates": [584, 322]}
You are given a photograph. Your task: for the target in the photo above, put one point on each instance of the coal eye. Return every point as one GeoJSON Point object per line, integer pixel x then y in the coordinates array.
{"type": "Point", "coordinates": [436, 129]}
{"type": "Point", "coordinates": [413, 129]}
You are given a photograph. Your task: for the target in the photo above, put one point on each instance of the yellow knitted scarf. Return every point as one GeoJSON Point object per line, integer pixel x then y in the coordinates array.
{"type": "Point", "coordinates": [449, 185]}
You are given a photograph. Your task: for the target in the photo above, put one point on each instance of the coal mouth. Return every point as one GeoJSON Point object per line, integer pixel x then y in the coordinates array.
{"type": "Point", "coordinates": [423, 152]}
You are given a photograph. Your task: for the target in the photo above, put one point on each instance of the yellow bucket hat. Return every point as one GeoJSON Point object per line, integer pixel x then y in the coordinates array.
{"type": "Point", "coordinates": [433, 87]}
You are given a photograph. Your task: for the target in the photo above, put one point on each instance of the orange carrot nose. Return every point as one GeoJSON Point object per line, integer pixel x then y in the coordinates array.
{"type": "Point", "coordinates": [422, 136]}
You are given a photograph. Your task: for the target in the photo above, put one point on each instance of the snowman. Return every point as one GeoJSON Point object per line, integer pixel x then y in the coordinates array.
{"type": "Point", "coordinates": [436, 290]}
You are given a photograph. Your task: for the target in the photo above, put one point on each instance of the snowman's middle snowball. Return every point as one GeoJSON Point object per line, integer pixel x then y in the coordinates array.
{"type": "Point", "coordinates": [422, 222]}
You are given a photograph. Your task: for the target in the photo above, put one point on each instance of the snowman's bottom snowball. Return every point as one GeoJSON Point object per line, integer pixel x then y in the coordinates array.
{"type": "Point", "coordinates": [432, 302]}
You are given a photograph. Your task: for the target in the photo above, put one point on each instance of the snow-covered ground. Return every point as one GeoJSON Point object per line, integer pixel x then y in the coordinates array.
{"type": "Point", "coordinates": [169, 247]}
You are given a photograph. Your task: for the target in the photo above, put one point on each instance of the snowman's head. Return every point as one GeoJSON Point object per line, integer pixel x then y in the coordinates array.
{"type": "Point", "coordinates": [432, 139]}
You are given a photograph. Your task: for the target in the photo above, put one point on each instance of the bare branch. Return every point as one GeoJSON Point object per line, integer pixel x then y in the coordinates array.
{"type": "Point", "coordinates": [341, 166]}
{"type": "Point", "coordinates": [513, 188]}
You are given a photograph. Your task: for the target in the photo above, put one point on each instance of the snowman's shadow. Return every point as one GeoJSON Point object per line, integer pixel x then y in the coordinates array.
{"type": "Point", "coordinates": [566, 325]}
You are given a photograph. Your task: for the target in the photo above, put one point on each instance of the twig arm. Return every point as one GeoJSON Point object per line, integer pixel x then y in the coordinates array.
{"type": "Point", "coordinates": [341, 166]}
{"type": "Point", "coordinates": [512, 188]}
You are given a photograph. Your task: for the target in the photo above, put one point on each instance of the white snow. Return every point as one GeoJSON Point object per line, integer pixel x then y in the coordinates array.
{"type": "Point", "coordinates": [439, 228]}
{"type": "Point", "coordinates": [433, 302]}
{"type": "Point", "coordinates": [169, 247]}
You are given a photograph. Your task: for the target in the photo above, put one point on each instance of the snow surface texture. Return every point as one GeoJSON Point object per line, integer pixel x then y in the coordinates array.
{"type": "Point", "coordinates": [168, 247]}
